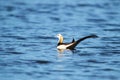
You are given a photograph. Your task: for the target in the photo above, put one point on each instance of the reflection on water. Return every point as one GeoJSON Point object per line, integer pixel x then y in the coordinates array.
{"type": "Point", "coordinates": [64, 52]}
{"type": "Point", "coordinates": [60, 51]}
{"type": "Point", "coordinates": [28, 46]}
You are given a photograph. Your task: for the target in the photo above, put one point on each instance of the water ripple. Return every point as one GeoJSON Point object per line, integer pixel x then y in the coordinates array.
{"type": "Point", "coordinates": [95, 61]}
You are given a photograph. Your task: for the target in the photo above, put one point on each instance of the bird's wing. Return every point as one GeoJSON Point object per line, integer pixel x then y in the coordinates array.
{"type": "Point", "coordinates": [73, 40]}
{"type": "Point", "coordinates": [75, 43]}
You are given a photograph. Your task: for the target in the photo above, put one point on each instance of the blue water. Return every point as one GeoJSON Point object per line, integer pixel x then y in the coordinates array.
{"type": "Point", "coordinates": [28, 43]}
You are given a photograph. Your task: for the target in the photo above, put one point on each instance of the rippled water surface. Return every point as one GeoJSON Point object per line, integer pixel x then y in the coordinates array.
{"type": "Point", "coordinates": [28, 43]}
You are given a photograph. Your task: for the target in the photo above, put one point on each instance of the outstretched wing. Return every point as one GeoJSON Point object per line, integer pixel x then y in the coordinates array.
{"type": "Point", "coordinates": [75, 43]}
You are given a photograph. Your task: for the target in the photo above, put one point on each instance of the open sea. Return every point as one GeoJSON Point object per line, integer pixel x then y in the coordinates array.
{"type": "Point", "coordinates": [28, 30]}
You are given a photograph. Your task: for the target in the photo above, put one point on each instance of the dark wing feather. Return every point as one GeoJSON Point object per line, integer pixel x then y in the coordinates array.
{"type": "Point", "coordinates": [73, 40]}
{"type": "Point", "coordinates": [75, 43]}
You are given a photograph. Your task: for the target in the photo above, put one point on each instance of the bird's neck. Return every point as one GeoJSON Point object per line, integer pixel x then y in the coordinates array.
{"type": "Point", "coordinates": [60, 39]}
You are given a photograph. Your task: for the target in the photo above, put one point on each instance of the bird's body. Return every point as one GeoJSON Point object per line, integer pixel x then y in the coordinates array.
{"type": "Point", "coordinates": [72, 44]}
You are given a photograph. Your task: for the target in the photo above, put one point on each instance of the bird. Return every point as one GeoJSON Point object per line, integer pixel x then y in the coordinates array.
{"type": "Point", "coordinates": [73, 44]}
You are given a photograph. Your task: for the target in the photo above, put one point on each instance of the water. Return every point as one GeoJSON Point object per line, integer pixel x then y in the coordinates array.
{"type": "Point", "coordinates": [28, 43]}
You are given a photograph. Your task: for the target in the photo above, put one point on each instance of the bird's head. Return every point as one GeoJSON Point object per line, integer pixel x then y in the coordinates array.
{"type": "Point", "coordinates": [59, 35]}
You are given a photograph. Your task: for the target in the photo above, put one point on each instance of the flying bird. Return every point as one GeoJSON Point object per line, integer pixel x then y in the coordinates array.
{"type": "Point", "coordinates": [73, 44]}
